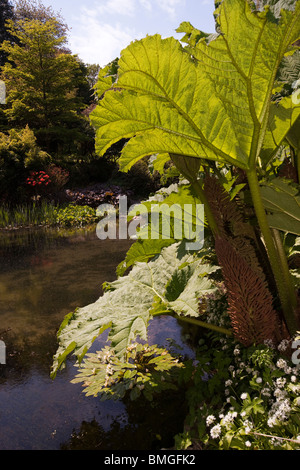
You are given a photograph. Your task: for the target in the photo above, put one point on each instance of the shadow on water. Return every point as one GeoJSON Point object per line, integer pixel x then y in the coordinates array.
{"type": "Point", "coordinates": [43, 276]}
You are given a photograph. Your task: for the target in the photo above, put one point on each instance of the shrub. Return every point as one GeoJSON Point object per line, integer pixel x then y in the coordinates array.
{"type": "Point", "coordinates": [78, 216]}
{"type": "Point", "coordinates": [243, 398]}
{"type": "Point", "coordinates": [19, 153]}
{"type": "Point", "coordinates": [58, 176]}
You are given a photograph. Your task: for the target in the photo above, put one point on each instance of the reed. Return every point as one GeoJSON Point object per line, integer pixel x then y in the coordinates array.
{"type": "Point", "coordinates": [25, 215]}
{"type": "Point", "coordinates": [46, 214]}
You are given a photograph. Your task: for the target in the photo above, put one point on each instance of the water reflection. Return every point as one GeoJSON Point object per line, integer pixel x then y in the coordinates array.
{"type": "Point", "coordinates": [49, 275]}
{"type": "Point", "coordinates": [43, 276]}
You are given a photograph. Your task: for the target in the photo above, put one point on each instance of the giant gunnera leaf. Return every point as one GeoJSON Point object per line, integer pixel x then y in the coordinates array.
{"type": "Point", "coordinates": [210, 100]}
{"type": "Point", "coordinates": [130, 302]}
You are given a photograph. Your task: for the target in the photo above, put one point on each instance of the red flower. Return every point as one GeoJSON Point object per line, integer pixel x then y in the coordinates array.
{"type": "Point", "coordinates": [38, 178]}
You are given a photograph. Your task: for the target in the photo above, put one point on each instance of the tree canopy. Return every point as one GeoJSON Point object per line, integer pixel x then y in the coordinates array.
{"type": "Point", "coordinates": [6, 13]}
{"type": "Point", "coordinates": [41, 80]}
{"type": "Point", "coordinates": [35, 10]}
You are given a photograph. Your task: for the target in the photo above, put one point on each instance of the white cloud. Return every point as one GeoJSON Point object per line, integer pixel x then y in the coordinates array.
{"type": "Point", "coordinates": [146, 4]}
{"type": "Point", "coordinates": [101, 31]}
{"type": "Point", "coordinates": [113, 7]}
{"type": "Point", "coordinates": [99, 42]}
{"type": "Point", "coordinates": [169, 6]}
{"type": "Point", "coordinates": [130, 7]}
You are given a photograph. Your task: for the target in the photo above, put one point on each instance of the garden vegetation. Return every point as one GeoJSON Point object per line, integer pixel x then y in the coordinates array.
{"type": "Point", "coordinates": [218, 108]}
{"type": "Point", "coordinates": [221, 112]}
{"type": "Point", "coordinates": [44, 121]}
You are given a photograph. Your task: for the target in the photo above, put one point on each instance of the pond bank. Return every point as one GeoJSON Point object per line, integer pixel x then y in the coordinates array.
{"type": "Point", "coordinates": [76, 208]}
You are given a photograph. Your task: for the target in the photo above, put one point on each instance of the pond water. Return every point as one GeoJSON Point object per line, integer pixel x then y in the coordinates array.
{"type": "Point", "coordinates": [45, 274]}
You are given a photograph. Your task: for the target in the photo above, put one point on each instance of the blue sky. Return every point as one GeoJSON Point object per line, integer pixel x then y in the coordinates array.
{"type": "Point", "coordinates": [100, 29]}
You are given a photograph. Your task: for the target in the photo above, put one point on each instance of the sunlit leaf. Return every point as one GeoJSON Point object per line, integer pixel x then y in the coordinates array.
{"type": "Point", "coordinates": [282, 118]}
{"type": "Point", "coordinates": [211, 100]}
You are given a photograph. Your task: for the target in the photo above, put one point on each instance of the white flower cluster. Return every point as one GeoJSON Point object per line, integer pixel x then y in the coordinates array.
{"type": "Point", "coordinates": [215, 431]}
{"type": "Point", "coordinates": [278, 396]}
{"type": "Point", "coordinates": [280, 411]}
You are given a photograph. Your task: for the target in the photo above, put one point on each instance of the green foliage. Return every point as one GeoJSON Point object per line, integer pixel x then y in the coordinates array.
{"type": "Point", "coordinates": [209, 108]}
{"type": "Point", "coordinates": [146, 370]}
{"type": "Point", "coordinates": [18, 153]}
{"type": "Point", "coordinates": [35, 10]}
{"type": "Point", "coordinates": [141, 251]}
{"type": "Point", "coordinates": [182, 441]}
{"type": "Point", "coordinates": [42, 82]}
{"type": "Point", "coordinates": [27, 215]}
{"type": "Point", "coordinates": [106, 77]}
{"type": "Point", "coordinates": [245, 399]}
{"type": "Point", "coordinates": [22, 145]}
{"type": "Point", "coordinates": [6, 13]}
{"type": "Point", "coordinates": [192, 35]}
{"type": "Point", "coordinates": [282, 202]}
{"type": "Point", "coordinates": [139, 179]}
{"type": "Point", "coordinates": [75, 216]}
{"type": "Point", "coordinates": [130, 302]}
{"type": "Point", "coordinates": [92, 74]}
{"type": "Point", "coordinates": [44, 213]}
{"type": "Point", "coordinates": [293, 138]}
{"type": "Point", "coordinates": [169, 102]}
{"type": "Point", "coordinates": [212, 100]}
{"type": "Point", "coordinates": [178, 203]}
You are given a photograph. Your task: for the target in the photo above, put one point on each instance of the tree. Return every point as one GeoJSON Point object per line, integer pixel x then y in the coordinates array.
{"type": "Point", "coordinates": [35, 10]}
{"type": "Point", "coordinates": [93, 71]}
{"type": "Point", "coordinates": [6, 13]}
{"type": "Point", "coordinates": [42, 82]}
{"type": "Point", "coordinates": [85, 88]}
